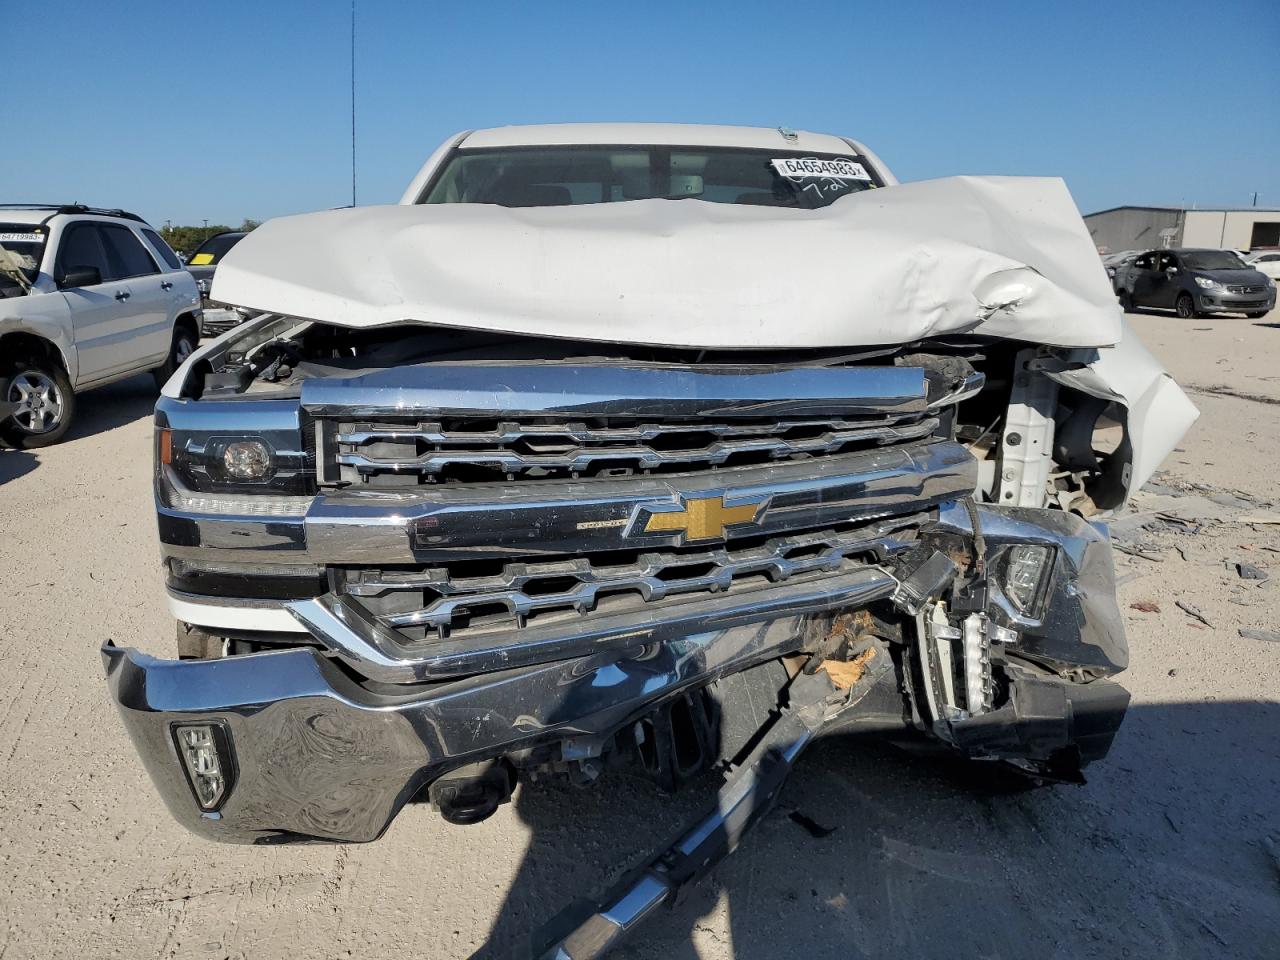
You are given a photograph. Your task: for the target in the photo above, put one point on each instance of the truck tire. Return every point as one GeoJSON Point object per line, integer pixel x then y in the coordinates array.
{"type": "Point", "coordinates": [45, 401]}
{"type": "Point", "coordinates": [183, 345]}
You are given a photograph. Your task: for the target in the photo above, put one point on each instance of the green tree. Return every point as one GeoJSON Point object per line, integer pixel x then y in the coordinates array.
{"type": "Point", "coordinates": [186, 239]}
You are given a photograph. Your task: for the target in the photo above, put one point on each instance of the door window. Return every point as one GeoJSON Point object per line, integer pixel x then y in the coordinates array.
{"type": "Point", "coordinates": [126, 255]}
{"type": "Point", "coordinates": [162, 248]}
{"type": "Point", "coordinates": [81, 247]}
{"type": "Point", "coordinates": [1145, 262]}
{"type": "Point", "coordinates": [1167, 260]}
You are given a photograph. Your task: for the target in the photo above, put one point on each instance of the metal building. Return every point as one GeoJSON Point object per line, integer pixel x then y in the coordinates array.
{"type": "Point", "coordinates": [1143, 228]}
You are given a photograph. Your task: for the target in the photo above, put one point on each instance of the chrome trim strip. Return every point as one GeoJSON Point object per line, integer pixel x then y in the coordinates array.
{"type": "Point", "coordinates": [376, 652]}
{"type": "Point", "coordinates": [241, 603]}
{"type": "Point", "coordinates": [545, 518]}
{"type": "Point", "coordinates": [514, 390]}
{"type": "Point", "coordinates": [557, 517]}
{"type": "Point", "coordinates": [583, 459]}
{"type": "Point", "coordinates": [644, 576]}
{"type": "Point", "coordinates": [970, 386]}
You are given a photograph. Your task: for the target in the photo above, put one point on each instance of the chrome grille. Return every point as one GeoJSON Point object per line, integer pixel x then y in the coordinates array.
{"type": "Point", "coordinates": [441, 450]}
{"type": "Point", "coordinates": [437, 602]}
{"type": "Point", "coordinates": [1244, 288]}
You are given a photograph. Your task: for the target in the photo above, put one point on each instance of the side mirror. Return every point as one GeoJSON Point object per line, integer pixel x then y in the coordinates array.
{"type": "Point", "coordinates": [1171, 270]}
{"type": "Point", "coordinates": [81, 277]}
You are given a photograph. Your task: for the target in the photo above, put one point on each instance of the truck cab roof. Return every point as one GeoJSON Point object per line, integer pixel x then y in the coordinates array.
{"type": "Point", "coordinates": [652, 134]}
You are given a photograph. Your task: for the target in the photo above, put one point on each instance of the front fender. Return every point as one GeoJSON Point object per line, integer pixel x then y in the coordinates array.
{"type": "Point", "coordinates": [46, 316]}
{"type": "Point", "coordinates": [1160, 413]}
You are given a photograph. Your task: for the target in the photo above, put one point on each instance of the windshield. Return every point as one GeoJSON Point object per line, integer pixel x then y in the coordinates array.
{"type": "Point", "coordinates": [1213, 260]}
{"type": "Point", "coordinates": [214, 249]}
{"type": "Point", "coordinates": [563, 176]}
{"type": "Point", "coordinates": [26, 242]}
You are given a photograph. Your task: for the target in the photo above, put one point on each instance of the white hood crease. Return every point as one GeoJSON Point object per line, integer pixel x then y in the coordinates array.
{"type": "Point", "coordinates": [1003, 256]}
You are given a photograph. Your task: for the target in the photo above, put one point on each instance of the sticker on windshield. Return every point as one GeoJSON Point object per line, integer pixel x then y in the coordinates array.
{"type": "Point", "coordinates": [202, 259]}
{"type": "Point", "coordinates": [22, 237]}
{"type": "Point", "coordinates": [794, 168]}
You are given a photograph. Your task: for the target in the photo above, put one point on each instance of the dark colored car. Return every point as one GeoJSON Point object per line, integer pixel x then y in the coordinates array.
{"type": "Point", "coordinates": [1195, 283]}
{"type": "Point", "coordinates": [1116, 264]}
{"type": "Point", "coordinates": [204, 261]}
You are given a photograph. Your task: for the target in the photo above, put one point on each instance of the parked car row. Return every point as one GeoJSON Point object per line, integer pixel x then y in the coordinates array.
{"type": "Point", "coordinates": [1195, 282]}
{"type": "Point", "coordinates": [215, 318]}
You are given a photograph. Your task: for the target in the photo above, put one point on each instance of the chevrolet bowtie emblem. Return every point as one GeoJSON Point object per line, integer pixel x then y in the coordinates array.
{"type": "Point", "coordinates": [703, 518]}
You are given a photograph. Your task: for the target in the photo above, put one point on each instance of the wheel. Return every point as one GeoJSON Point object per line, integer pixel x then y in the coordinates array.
{"type": "Point", "coordinates": [1126, 301]}
{"type": "Point", "coordinates": [184, 344]}
{"type": "Point", "coordinates": [1186, 307]}
{"type": "Point", "coordinates": [1256, 315]}
{"type": "Point", "coordinates": [42, 400]}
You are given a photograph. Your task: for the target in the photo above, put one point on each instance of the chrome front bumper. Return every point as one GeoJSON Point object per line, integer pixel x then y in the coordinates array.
{"type": "Point", "coordinates": [320, 757]}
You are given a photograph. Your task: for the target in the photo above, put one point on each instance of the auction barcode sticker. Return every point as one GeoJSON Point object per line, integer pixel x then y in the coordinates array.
{"type": "Point", "coordinates": [795, 167]}
{"type": "Point", "coordinates": [22, 237]}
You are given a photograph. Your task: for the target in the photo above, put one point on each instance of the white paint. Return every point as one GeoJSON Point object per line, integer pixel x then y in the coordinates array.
{"type": "Point", "coordinates": [229, 617]}
{"type": "Point", "coordinates": [1002, 256]}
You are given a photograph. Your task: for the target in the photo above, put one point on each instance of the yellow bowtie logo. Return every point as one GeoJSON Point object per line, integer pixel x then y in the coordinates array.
{"type": "Point", "coordinates": [703, 519]}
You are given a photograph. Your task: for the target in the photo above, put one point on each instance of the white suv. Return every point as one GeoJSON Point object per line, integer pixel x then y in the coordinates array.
{"type": "Point", "coordinates": [87, 297]}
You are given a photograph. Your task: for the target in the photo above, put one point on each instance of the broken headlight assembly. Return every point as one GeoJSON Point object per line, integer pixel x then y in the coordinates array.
{"type": "Point", "coordinates": [1022, 573]}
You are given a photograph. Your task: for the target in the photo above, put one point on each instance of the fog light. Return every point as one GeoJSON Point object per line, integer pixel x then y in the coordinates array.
{"type": "Point", "coordinates": [247, 460]}
{"type": "Point", "coordinates": [203, 748]}
{"type": "Point", "coordinates": [1025, 566]}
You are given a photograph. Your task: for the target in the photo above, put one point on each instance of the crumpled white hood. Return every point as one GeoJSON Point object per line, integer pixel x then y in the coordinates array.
{"type": "Point", "coordinates": [1004, 256]}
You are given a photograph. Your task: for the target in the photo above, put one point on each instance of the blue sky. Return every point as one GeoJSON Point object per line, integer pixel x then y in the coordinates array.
{"type": "Point", "coordinates": [241, 109]}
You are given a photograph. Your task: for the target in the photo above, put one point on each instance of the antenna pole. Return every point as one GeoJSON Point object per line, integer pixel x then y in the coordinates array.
{"type": "Point", "coordinates": [353, 102]}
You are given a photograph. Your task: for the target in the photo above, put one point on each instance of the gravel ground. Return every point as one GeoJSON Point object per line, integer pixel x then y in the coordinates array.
{"type": "Point", "coordinates": [1172, 849]}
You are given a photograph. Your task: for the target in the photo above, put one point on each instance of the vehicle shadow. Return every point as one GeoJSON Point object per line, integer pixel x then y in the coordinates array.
{"type": "Point", "coordinates": [15, 463]}
{"type": "Point", "coordinates": [1172, 849]}
{"type": "Point", "coordinates": [115, 405]}
{"type": "Point", "coordinates": [97, 411]}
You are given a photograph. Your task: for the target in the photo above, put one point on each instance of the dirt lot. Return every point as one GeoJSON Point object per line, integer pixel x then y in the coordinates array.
{"type": "Point", "coordinates": [1173, 849]}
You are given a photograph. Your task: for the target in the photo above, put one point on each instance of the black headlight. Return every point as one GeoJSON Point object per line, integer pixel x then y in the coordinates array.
{"type": "Point", "coordinates": [241, 464]}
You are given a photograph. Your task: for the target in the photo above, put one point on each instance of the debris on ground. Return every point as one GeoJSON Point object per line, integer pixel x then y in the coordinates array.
{"type": "Point", "coordinates": [845, 673]}
{"type": "Point", "coordinates": [1208, 928]}
{"type": "Point", "coordinates": [1252, 633]}
{"type": "Point", "coordinates": [1248, 571]}
{"type": "Point", "coordinates": [1146, 606]}
{"type": "Point", "coordinates": [1192, 610]}
{"type": "Point", "coordinates": [1136, 552]}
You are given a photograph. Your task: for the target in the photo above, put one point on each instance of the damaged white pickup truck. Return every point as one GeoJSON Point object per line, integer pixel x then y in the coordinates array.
{"type": "Point", "coordinates": [642, 448]}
